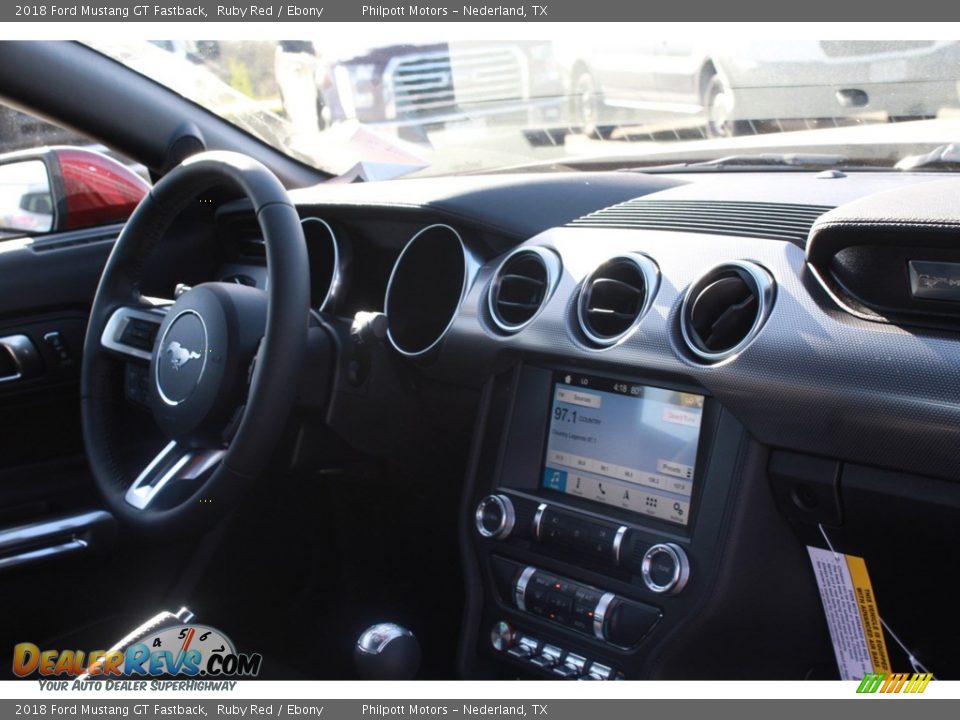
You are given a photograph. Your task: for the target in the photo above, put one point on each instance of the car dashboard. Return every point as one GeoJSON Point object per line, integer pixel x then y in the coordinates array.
{"type": "Point", "coordinates": [678, 383]}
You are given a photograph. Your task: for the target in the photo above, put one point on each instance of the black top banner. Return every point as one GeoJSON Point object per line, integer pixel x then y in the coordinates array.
{"type": "Point", "coordinates": [318, 11]}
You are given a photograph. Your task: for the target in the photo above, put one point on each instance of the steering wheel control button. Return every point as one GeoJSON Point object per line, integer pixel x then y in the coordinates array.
{"type": "Point", "coordinates": [182, 357]}
{"type": "Point", "coordinates": [495, 517]}
{"type": "Point", "coordinates": [502, 636]}
{"type": "Point", "coordinates": [139, 333]}
{"type": "Point", "coordinates": [136, 383]}
{"type": "Point", "coordinates": [665, 568]}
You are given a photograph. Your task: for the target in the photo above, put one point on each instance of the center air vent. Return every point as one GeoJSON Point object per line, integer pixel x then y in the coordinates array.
{"type": "Point", "coordinates": [521, 286]}
{"type": "Point", "coordinates": [725, 308]}
{"type": "Point", "coordinates": [615, 296]}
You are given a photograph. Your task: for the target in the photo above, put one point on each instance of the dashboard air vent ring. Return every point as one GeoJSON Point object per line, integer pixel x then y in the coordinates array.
{"type": "Point", "coordinates": [615, 296]}
{"type": "Point", "coordinates": [429, 282]}
{"type": "Point", "coordinates": [725, 308]}
{"type": "Point", "coordinates": [521, 287]}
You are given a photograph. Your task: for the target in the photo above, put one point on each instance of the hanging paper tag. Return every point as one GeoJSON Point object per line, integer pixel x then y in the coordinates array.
{"type": "Point", "coordinates": [852, 615]}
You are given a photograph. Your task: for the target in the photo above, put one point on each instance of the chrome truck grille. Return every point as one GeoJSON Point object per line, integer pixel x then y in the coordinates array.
{"type": "Point", "coordinates": [441, 82]}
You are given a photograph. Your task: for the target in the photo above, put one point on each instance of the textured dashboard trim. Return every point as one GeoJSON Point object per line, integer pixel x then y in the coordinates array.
{"type": "Point", "coordinates": [775, 221]}
{"type": "Point", "coordinates": [815, 380]}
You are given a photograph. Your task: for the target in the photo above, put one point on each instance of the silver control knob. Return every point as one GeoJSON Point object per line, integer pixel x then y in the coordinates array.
{"type": "Point", "coordinates": [502, 636]}
{"type": "Point", "coordinates": [495, 517]}
{"type": "Point", "coordinates": [665, 568]}
{"type": "Point", "coordinates": [387, 652]}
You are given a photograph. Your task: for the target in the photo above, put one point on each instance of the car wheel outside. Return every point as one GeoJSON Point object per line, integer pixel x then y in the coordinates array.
{"type": "Point", "coordinates": [586, 105]}
{"type": "Point", "coordinates": [718, 103]}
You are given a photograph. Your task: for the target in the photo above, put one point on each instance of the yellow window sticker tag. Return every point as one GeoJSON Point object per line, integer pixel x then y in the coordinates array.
{"type": "Point", "coordinates": [852, 615]}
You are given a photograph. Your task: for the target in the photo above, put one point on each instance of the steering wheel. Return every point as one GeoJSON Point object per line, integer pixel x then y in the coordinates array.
{"type": "Point", "coordinates": [224, 359]}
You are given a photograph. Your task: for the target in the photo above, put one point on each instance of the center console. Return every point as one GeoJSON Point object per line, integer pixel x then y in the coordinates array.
{"type": "Point", "coordinates": [592, 521]}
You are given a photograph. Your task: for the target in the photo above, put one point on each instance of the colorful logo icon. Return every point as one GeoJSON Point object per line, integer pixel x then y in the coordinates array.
{"type": "Point", "coordinates": [894, 682]}
{"type": "Point", "coordinates": [183, 650]}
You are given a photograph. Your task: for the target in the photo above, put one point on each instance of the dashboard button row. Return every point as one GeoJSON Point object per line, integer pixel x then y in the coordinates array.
{"type": "Point", "coordinates": [547, 657]}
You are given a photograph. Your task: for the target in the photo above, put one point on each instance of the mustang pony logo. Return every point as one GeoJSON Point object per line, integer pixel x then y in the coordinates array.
{"type": "Point", "coordinates": [179, 355]}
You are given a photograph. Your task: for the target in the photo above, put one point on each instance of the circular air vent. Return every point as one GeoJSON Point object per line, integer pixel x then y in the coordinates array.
{"type": "Point", "coordinates": [426, 287]}
{"type": "Point", "coordinates": [724, 309]}
{"type": "Point", "coordinates": [615, 296]}
{"type": "Point", "coordinates": [521, 287]}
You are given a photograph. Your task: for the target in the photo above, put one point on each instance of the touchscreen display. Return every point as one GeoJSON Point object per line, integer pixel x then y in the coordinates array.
{"type": "Point", "coordinates": [622, 444]}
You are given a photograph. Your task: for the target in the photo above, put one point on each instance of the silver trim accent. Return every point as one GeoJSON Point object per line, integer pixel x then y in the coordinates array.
{"type": "Point", "coordinates": [553, 267]}
{"type": "Point", "coordinates": [600, 615]}
{"type": "Point", "coordinates": [502, 636]}
{"type": "Point", "coordinates": [189, 466]}
{"type": "Point", "coordinates": [525, 648]}
{"type": "Point", "coordinates": [766, 293]}
{"type": "Point", "coordinates": [549, 656]}
{"type": "Point", "coordinates": [681, 573]}
{"type": "Point", "coordinates": [34, 532]}
{"type": "Point", "coordinates": [19, 347]}
{"type": "Point", "coordinates": [113, 331]}
{"type": "Point", "coordinates": [537, 517]}
{"type": "Point", "coordinates": [375, 639]}
{"type": "Point", "coordinates": [506, 523]}
{"type": "Point", "coordinates": [651, 281]}
{"type": "Point", "coordinates": [470, 268]}
{"type": "Point", "coordinates": [520, 589]}
{"type": "Point", "coordinates": [336, 277]}
{"type": "Point", "coordinates": [598, 671]}
{"type": "Point", "coordinates": [578, 663]}
{"type": "Point", "coordinates": [203, 355]}
{"type": "Point", "coordinates": [63, 530]}
{"type": "Point", "coordinates": [618, 543]}
{"type": "Point", "coordinates": [42, 553]}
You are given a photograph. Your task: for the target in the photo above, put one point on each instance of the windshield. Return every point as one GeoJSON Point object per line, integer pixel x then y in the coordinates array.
{"type": "Point", "coordinates": [430, 106]}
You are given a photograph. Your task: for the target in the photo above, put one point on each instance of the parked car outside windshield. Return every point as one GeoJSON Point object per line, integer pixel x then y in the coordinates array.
{"type": "Point", "coordinates": [432, 106]}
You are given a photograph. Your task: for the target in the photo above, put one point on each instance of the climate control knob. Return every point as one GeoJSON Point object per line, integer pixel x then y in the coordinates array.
{"type": "Point", "coordinates": [665, 568]}
{"type": "Point", "coordinates": [495, 517]}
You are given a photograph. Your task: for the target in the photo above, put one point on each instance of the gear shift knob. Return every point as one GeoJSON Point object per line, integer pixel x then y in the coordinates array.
{"type": "Point", "coordinates": [387, 652]}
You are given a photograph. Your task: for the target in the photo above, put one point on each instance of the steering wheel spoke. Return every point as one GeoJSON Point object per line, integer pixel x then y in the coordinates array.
{"type": "Point", "coordinates": [173, 464]}
{"type": "Point", "coordinates": [132, 331]}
